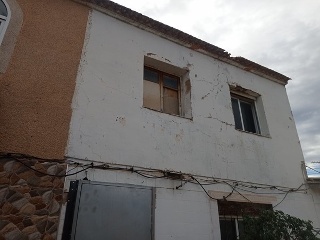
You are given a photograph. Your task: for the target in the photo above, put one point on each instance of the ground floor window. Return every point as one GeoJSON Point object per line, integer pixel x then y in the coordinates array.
{"type": "Point", "coordinates": [231, 214]}
{"type": "Point", "coordinates": [231, 228]}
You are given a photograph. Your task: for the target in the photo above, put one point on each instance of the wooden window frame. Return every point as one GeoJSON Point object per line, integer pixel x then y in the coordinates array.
{"type": "Point", "coordinates": [161, 85]}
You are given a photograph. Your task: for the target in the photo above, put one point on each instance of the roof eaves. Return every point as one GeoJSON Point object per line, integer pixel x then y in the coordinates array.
{"type": "Point", "coordinates": [143, 22]}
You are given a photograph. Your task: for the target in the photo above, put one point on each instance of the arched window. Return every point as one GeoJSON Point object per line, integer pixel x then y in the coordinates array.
{"type": "Point", "coordinates": [4, 18]}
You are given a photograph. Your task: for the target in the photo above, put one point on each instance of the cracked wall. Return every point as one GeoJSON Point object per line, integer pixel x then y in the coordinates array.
{"type": "Point", "coordinates": [109, 123]}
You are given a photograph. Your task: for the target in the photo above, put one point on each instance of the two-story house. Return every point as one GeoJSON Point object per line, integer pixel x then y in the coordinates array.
{"type": "Point", "coordinates": [167, 136]}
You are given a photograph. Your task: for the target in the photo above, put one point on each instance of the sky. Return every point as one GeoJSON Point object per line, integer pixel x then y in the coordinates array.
{"type": "Point", "coordinates": [281, 35]}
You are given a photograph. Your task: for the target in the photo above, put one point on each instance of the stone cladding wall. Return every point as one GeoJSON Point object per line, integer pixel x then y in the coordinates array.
{"type": "Point", "coordinates": [30, 202]}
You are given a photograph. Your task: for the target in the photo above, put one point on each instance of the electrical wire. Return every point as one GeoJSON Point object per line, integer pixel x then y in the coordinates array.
{"type": "Point", "coordinates": [225, 198]}
{"type": "Point", "coordinates": [169, 175]}
{"type": "Point", "coordinates": [147, 176]}
{"type": "Point", "coordinates": [239, 192]}
{"type": "Point", "coordinates": [204, 189]}
{"type": "Point", "coordinates": [52, 175]}
{"type": "Point", "coordinates": [292, 190]}
{"type": "Point", "coordinates": [270, 193]}
{"type": "Point", "coordinates": [214, 180]}
{"type": "Point", "coordinates": [70, 170]}
{"type": "Point", "coordinates": [281, 200]}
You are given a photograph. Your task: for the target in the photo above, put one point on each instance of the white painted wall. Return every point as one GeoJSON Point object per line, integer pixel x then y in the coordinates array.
{"type": "Point", "coordinates": [187, 213]}
{"type": "Point", "coordinates": [110, 125]}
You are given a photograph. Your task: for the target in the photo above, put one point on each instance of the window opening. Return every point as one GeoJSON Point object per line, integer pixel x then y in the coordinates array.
{"type": "Point", "coordinates": [231, 228]}
{"type": "Point", "coordinates": [3, 19]}
{"type": "Point", "coordinates": [244, 112]}
{"type": "Point", "coordinates": [161, 91]}
{"type": "Point", "coordinates": [231, 217]}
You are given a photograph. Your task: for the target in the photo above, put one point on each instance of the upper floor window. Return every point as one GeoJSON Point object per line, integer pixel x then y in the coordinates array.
{"type": "Point", "coordinates": [161, 91]}
{"type": "Point", "coordinates": [166, 88]}
{"type": "Point", "coordinates": [3, 19]}
{"type": "Point", "coordinates": [244, 112]}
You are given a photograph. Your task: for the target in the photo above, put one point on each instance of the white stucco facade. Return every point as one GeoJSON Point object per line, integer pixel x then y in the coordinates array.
{"type": "Point", "coordinates": [110, 125]}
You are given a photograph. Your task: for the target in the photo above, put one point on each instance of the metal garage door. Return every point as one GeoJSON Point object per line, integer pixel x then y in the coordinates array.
{"type": "Point", "coordinates": [106, 211]}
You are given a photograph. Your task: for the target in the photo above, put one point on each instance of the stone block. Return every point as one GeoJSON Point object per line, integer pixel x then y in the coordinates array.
{"type": "Point", "coordinates": [15, 235]}
{"type": "Point", "coordinates": [41, 226]}
{"type": "Point", "coordinates": [8, 228]}
{"type": "Point", "coordinates": [47, 197]}
{"type": "Point", "coordinates": [21, 182]}
{"type": "Point", "coordinates": [4, 178]}
{"type": "Point", "coordinates": [9, 166]}
{"type": "Point", "coordinates": [7, 208]}
{"type": "Point", "coordinates": [21, 188]}
{"type": "Point", "coordinates": [3, 193]}
{"type": "Point", "coordinates": [54, 207]}
{"type": "Point", "coordinates": [34, 180]}
{"type": "Point", "coordinates": [28, 209]}
{"type": "Point", "coordinates": [35, 236]}
{"type": "Point", "coordinates": [29, 230]}
{"type": "Point", "coordinates": [48, 237]}
{"type": "Point", "coordinates": [14, 179]}
{"type": "Point", "coordinates": [27, 222]}
{"type": "Point", "coordinates": [46, 184]}
{"type": "Point", "coordinates": [53, 170]}
{"type": "Point", "coordinates": [26, 174]}
{"type": "Point", "coordinates": [39, 167]}
{"type": "Point", "coordinates": [36, 219]}
{"type": "Point", "coordinates": [20, 203]}
{"type": "Point", "coordinates": [36, 200]}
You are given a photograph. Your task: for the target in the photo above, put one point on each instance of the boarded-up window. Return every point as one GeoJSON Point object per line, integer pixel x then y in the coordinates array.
{"type": "Point", "coordinates": [161, 91]}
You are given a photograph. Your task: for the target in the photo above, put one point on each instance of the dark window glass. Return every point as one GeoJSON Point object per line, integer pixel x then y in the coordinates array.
{"type": "Point", "coordinates": [240, 228]}
{"type": "Point", "coordinates": [3, 9]}
{"type": "Point", "coordinates": [170, 82]}
{"type": "Point", "coordinates": [150, 75]}
{"type": "Point", "coordinates": [228, 229]}
{"type": "Point", "coordinates": [236, 113]}
{"type": "Point", "coordinates": [247, 117]}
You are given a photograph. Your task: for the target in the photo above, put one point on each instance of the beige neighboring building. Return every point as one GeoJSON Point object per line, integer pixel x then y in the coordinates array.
{"type": "Point", "coordinates": [116, 126]}
{"type": "Point", "coordinates": [40, 50]}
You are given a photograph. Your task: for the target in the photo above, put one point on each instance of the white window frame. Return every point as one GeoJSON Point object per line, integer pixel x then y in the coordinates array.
{"type": "Point", "coordinates": [252, 101]}
{"type": "Point", "coordinates": [236, 222]}
{"type": "Point", "coordinates": [4, 21]}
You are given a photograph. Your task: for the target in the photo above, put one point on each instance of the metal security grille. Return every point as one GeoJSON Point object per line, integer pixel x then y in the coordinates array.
{"type": "Point", "coordinates": [113, 211]}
